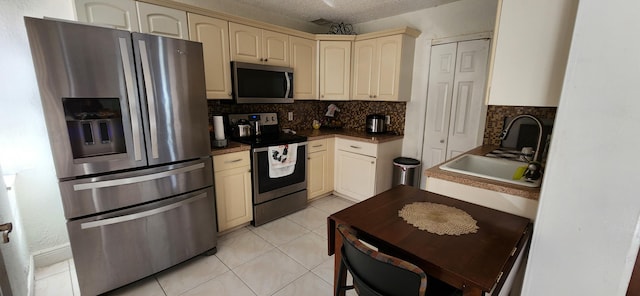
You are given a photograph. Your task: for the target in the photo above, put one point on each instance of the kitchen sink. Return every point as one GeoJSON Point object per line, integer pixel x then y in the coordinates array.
{"type": "Point", "coordinates": [496, 169]}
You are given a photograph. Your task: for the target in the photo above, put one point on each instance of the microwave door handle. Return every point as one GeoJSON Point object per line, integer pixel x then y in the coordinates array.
{"type": "Point", "coordinates": [286, 77]}
{"type": "Point", "coordinates": [151, 100]}
{"type": "Point", "coordinates": [131, 99]}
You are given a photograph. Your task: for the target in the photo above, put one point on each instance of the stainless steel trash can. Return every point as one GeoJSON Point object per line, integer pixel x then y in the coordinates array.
{"type": "Point", "coordinates": [406, 171]}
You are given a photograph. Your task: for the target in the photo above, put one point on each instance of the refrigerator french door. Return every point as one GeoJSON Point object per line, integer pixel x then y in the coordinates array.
{"type": "Point", "coordinates": [126, 115]}
{"type": "Point", "coordinates": [114, 100]}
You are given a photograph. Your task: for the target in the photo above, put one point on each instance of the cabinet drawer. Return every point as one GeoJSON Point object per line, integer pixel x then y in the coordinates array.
{"type": "Point", "coordinates": [317, 145]}
{"type": "Point", "coordinates": [230, 160]}
{"type": "Point", "coordinates": [359, 147]}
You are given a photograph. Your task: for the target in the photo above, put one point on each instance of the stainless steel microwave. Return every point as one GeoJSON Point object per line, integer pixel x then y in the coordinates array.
{"type": "Point", "coordinates": [254, 83]}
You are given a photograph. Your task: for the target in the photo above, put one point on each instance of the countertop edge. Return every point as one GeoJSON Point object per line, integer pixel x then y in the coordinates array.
{"type": "Point", "coordinates": [521, 191]}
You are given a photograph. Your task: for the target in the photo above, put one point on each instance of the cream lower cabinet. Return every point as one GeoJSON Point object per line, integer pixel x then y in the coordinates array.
{"type": "Point", "coordinates": [232, 174]}
{"type": "Point", "coordinates": [320, 168]}
{"type": "Point", "coordinates": [364, 169]}
{"type": "Point", "coordinates": [214, 35]}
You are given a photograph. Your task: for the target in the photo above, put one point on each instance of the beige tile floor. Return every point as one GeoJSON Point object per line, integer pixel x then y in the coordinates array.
{"type": "Point", "coordinates": [285, 257]}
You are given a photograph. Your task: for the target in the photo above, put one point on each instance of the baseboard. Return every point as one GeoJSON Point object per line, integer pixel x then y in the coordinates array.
{"type": "Point", "coordinates": [52, 255]}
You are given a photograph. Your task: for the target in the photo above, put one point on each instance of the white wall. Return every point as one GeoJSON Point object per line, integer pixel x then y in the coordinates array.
{"type": "Point", "coordinates": [586, 236]}
{"type": "Point", "coordinates": [453, 19]}
{"type": "Point", "coordinates": [24, 146]}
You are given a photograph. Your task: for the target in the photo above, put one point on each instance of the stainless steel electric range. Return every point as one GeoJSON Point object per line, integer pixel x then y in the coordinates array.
{"type": "Point", "coordinates": [275, 194]}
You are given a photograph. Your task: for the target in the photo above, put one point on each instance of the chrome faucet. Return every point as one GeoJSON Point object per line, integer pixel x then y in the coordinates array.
{"type": "Point", "coordinates": [533, 169]}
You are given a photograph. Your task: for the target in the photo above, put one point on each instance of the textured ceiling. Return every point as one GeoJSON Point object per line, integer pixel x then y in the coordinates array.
{"type": "Point", "coordinates": [347, 11]}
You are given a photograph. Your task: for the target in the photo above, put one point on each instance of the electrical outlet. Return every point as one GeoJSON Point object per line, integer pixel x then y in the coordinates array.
{"type": "Point", "coordinates": [387, 119]}
{"type": "Point", "coordinates": [290, 116]}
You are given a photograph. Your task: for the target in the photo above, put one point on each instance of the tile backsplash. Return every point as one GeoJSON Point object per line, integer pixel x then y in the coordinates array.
{"type": "Point", "coordinates": [352, 114]}
{"type": "Point", "coordinates": [497, 114]}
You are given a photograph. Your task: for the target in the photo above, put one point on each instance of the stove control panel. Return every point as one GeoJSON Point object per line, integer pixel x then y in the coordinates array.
{"type": "Point", "coordinates": [263, 118]}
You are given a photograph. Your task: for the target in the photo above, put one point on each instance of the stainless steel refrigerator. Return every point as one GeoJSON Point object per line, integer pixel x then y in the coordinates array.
{"type": "Point", "coordinates": [127, 119]}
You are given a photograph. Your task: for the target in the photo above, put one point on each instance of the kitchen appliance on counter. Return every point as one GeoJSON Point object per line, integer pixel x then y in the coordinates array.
{"type": "Point", "coordinates": [376, 124]}
{"type": "Point", "coordinates": [255, 83]}
{"type": "Point", "coordinates": [126, 115]}
{"type": "Point", "coordinates": [274, 197]}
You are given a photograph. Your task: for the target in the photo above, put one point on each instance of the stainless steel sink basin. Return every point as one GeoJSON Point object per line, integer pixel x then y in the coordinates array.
{"type": "Point", "coordinates": [489, 168]}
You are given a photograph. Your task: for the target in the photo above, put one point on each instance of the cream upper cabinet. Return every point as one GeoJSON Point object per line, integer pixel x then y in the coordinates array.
{"type": "Point", "coordinates": [320, 167]}
{"type": "Point", "coordinates": [530, 51]}
{"type": "Point", "coordinates": [335, 70]}
{"type": "Point", "coordinates": [159, 20]}
{"type": "Point", "coordinates": [118, 13]}
{"type": "Point", "coordinates": [254, 45]}
{"type": "Point", "coordinates": [214, 35]}
{"type": "Point", "coordinates": [304, 63]}
{"type": "Point", "coordinates": [364, 60]}
{"type": "Point", "coordinates": [232, 174]}
{"type": "Point", "coordinates": [383, 68]}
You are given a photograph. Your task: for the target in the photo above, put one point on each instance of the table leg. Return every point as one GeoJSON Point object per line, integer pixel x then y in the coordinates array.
{"type": "Point", "coordinates": [337, 282]}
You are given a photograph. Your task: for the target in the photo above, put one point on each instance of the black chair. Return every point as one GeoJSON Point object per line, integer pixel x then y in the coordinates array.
{"type": "Point", "coordinates": [377, 274]}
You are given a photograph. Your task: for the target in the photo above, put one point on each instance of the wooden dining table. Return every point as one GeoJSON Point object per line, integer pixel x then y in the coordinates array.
{"type": "Point", "coordinates": [474, 263]}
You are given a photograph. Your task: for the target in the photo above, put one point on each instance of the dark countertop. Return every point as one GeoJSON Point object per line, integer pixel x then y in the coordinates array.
{"type": "Point", "coordinates": [313, 134]}
{"type": "Point", "coordinates": [522, 191]}
{"type": "Point", "coordinates": [231, 147]}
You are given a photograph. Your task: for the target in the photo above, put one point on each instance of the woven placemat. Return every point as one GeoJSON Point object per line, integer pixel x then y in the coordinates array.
{"type": "Point", "coordinates": [438, 218]}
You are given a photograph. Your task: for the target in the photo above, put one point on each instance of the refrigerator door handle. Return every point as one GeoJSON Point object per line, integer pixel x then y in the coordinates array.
{"type": "Point", "coordinates": [132, 180]}
{"type": "Point", "coordinates": [151, 100]}
{"type": "Point", "coordinates": [131, 99]}
{"type": "Point", "coordinates": [120, 219]}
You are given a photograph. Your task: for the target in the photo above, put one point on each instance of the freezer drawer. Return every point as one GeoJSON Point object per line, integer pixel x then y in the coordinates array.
{"type": "Point", "coordinates": [88, 196]}
{"type": "Point", "coordinates": [118, 248]}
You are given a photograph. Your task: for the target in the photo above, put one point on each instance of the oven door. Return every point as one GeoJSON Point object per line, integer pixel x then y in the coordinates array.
{"type": "Point", "coordinates": [266, 188]}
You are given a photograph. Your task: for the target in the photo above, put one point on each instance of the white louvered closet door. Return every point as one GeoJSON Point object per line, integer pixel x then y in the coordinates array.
{"type": "Point", "coordinates": [455, 100]}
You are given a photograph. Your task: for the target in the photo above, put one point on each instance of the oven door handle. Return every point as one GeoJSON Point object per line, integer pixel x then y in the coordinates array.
{"type": "Point", "coordinates": [263, 149]}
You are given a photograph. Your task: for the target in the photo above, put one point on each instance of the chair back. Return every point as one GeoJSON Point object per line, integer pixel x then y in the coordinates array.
{"type": "Point", "coordinates": [375, 273]}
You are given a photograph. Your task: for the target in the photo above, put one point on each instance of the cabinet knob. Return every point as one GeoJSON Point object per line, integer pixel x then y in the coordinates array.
{"type": "Point", "coordinates": [322, 96]}
{"type": "Point", "coordinates": [370, 96]}
{"type": "Point", "coordinates": [372, 162]}
{"type": "Point", "coordinates": [374, 96]}
{"type": "Point", "coordinates": [229, 94]}
{"type": "Point", "coordinates": [266, 60]}
{"type": "Point", "coordinates": [441, 140]}
{"type": "Point", "coordinates": [261, 59]}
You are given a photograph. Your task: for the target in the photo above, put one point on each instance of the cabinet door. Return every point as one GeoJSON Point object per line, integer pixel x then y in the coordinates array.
{"type": "Point", "coordinates": [355, 175]}
{"type": "Point", "coordinates": [214, 35]}
{"type": "Point", "coordinates": [386, 78]}
{"type": "Point", "coordinates": [118, 13]}
{"type": "Point", "coordinates": [158, 20]}
{"type": "Point", "coordinates": [365, 67]}
{"type": "Point", "coordinates": [531, 48]}
{"type": "Point", "coordinates": [335, 70]}
{"type": "Point", "coordinates": [317, 174]}
{"type": "Point", "coordinates": [233, 197]}
{"type": "Point", "coordinates": [303, 61]}
{"type": "Point", "coordinates": [246, 43]}
{"type": "Point", "coordinates": [275, 48]}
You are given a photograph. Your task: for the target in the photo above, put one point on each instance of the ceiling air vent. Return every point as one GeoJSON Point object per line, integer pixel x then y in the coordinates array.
{"type": "Point", "coordinates": [322, 22]}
